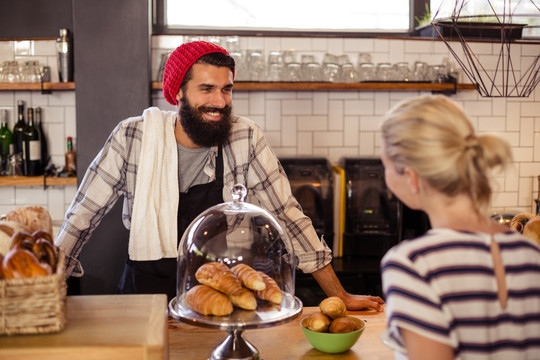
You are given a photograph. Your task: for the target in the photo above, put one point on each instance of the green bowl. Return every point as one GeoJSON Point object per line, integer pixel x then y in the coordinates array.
{"type": "Point", "coordinates": [332, 343]}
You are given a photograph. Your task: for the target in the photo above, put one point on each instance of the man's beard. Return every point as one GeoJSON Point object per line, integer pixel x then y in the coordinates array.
{"type": "Point", "coordinates": [202, 132]}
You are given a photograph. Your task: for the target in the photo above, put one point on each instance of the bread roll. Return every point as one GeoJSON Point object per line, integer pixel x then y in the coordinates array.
{"type": "Point", "coordinates": [33, 217]}
{"type": "Point", "coordinates": [249, 277]}
{"type": "Point", "coordinates": [333, 307]}
{"type": "Point", "coordinates": [317, 322]}
{"type": "Point", "coordinates": [207, 301]}
{"type": "Point", "coordinates": [343, 325]}
{"type": "Point", "coordinates": [219, 277]}
{"type": "Point", "coordinates": [272, 292]}
{"type": "Point", "coordinates": [244, 299]}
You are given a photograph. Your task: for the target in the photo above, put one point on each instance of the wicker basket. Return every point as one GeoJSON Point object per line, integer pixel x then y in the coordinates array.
{"type": "Point", "coordinates": [34, 305]}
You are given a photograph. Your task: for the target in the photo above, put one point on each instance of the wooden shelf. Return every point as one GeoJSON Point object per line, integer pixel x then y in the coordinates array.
{"type": "Point", "coordinates": [316, 86]}
{"type": "Point", "coordinates": [36, 181]}
{"type": "Point", "coordinates": [37, 86]}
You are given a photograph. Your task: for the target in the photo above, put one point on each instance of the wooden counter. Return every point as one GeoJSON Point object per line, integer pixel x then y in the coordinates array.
{"type": "Point", "coordinates": [134, 327]}
{"type": "Point", "coordinates": [286, 341]}
{"type": "Point", "coordinates": [119, 327]}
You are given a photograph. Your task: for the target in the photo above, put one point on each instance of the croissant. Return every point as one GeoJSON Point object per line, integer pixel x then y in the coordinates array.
{"type": "Point", "coordinates": [272, 292]}
{"type": "Point", "coordinates": [343, 325]}
{"type": "Point", "coordinates": [207, 301]}
{"type": "Point", "coordinates": [244, 299]}
{"type": "Point", "coordinates": [219, 277]}
{"type": "Point", "coordinates": [334, 307]}
{"type": "Point", "coordinates": [249, 277]}
{"type": "Point", "coordinates": [317, 322]}
{"type": "Point", "coordinates": [519, 221]}
{"type": "Point", "coordinates": [531, 230]}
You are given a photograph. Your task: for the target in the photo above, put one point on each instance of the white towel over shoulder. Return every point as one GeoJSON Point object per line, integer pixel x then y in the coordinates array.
{"type": "Point", "coordinates": [153, 232]}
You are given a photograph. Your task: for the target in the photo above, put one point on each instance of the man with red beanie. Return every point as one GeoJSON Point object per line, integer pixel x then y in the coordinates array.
{"type": "Point", "coordinates": [186, 161]}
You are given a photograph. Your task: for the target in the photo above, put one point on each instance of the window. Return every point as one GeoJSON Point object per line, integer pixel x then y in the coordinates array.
{"type": "Point", "coordinates": [303, 17]}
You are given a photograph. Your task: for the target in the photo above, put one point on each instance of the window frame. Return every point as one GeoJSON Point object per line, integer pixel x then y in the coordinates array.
{"type": "Point", "coordinates": [160, 28]}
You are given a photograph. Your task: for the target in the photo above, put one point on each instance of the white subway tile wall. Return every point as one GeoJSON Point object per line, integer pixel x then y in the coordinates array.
{"type": "Point", "coordinates": [59, 122]}
{"type": "Point", "coordinates": [334, 124]}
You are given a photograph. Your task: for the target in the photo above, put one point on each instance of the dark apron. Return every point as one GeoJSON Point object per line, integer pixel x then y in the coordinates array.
{"type": "Point", "coordinates": [159, 276]}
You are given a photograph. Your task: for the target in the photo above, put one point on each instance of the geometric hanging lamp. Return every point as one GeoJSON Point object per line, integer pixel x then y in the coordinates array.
{"type": "Point", "coordinates": [484, 37]}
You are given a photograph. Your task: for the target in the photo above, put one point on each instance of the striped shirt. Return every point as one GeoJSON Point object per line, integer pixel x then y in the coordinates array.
{"type": "Point", "coordinates": [248, 159]}
{"type": "Point", "coordinates": [442, 286]}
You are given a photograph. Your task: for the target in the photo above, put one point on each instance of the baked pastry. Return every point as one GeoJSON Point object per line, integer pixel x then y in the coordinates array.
{"type": "Point", "coordinates": [244, 299]}
{"type": "Point", "coordinates": [343, 325]}
{"type": "Point", "coordinates": [333, 307]}
{"type": "Point", "coordinates": [317, 322]}
{"type": "Point", "coordinates": [519, 221]}
{"type": "Point", "coordinates": [20, 263]}
{"type": "Point", "coordinates": [219, 277]}
{"type": "Point", "coordinates": [249, 277]}
{"type": "Point", "coordinates": [34, 217]}
{"type": "Point", "coordinates": [532, 230]}
{"type": "Point", "coordinates": [272, 292]}
{"type": "Point", "coordinates": [7, 230]}
{"type": "Point", "coordinates": [207, 301]}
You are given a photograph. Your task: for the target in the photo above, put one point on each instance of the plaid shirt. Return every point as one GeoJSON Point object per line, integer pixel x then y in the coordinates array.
{"type": "Point", "coordinates": [247, 158]}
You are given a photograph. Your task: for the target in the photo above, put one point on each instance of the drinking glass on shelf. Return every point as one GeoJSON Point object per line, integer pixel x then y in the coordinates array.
{"type": "Point", "coordinates": [343, 59]}
{"type": "Point", "coordinates": [275, 57]}
{"type": "Point", "coordinates": [330, 59]}
{"type": "Point", "coordinates": [11, 71]}
{"type": "Point", "coordinates": [307, 59]}
{"type": "Point", "coordinates": [311, 72]}
{"type": "Point", "coordinates": [292, 72]}
{"type": "Point", "coordinates": [384, 72]}
{"type": "Point", "coordinates": [275, 72]}
{"type": "Point", "coordinates": [241, 72]}
{"type": "Point", "coordinates": [289, 56]}
{"type": "Point", "coordinates": [232, 44]}
{"type": "Point", "coordinates": [348, 73]}
{"type": "Point", "coordinates": [420, 71]}
{"type": "Point", "coordinates": [363, 58]}
{"type": "Point", "coordinates": [331, 72]}
{"type": "Point", "coordinates": [366, 72]}
{"type": "Point", "coordinates": [402, 71]}
{"type": "Point", "coordinates": [256, 65]}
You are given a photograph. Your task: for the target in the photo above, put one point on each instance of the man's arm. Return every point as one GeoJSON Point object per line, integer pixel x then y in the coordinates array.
{"type": "Point", "coordinates": [329, 282]}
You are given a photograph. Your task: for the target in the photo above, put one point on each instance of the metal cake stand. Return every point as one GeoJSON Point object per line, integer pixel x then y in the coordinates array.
{"type": "Point", "coordinates": [235, 346]}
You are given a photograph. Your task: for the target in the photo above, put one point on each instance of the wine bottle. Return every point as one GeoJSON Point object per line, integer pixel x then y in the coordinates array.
{"type": "Point", "coordinates": [6, 142]}
{"type": "Point", "coordinates": [43, 138]}
{"type": "Point", "coordinates": [32, 148]}
{"type": "Point", "coordinates": [18, 129]}
{"type": "Point", "coordinates": [70, 167]}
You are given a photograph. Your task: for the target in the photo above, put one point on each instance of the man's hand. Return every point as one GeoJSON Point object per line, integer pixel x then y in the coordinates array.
{"type": "Point", "coordinates": [329, 282]}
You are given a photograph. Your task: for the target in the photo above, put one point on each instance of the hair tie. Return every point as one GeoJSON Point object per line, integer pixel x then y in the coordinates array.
{"type": "Point", "coordinates": [471, 142]}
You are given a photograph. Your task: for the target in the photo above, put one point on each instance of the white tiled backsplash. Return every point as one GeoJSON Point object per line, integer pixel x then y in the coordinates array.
{"type": "Point", "coordinates": [332, 124]}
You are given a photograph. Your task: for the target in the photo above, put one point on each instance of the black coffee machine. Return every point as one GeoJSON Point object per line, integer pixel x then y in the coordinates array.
{"type": "Point", "coordinates": [311, 185]}
{"type": "Point", "coordinates": [375, 220]}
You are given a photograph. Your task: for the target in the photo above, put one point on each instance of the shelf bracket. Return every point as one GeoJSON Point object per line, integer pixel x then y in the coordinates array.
{"type": "Point", "coordinates": [451, 80]}
{"type": "Point", "coordinates": [43, 90]}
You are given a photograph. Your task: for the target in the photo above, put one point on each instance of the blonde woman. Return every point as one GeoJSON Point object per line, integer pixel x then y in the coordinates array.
{"type": "Point", "coordinates": [469, 288]}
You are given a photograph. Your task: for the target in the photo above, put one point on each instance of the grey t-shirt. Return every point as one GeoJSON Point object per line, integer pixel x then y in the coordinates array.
{"type": "Point", "coordinates": [191, 165]}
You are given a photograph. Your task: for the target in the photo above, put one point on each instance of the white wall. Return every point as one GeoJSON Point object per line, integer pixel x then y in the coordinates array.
{"type": "Point", "coordinates": [59, 122]}
{"type": "Point", "coordinates": [333, 124]}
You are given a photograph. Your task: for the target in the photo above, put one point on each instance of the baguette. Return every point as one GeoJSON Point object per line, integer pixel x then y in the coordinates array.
{"type": "Point", "coordinates": [272, 292]}
{"type": "Point", "coordinates": [207, 301]}
{"type": "Point", "coordinates": [249, 277]}
{"type": "Point", "coordinates": [219, 277]}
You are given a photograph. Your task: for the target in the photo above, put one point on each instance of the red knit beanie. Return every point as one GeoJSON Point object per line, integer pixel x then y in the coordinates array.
{"type": "Point", "coordinates": [180, 61]}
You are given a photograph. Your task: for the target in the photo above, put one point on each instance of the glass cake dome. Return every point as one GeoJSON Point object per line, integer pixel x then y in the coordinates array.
{"type": "Point", "coordinates": [218, 242]}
